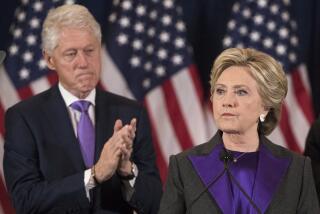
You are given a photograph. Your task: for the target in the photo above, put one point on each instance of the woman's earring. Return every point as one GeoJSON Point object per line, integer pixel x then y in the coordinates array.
{"type": "Point", "coordinates": [262, 118]}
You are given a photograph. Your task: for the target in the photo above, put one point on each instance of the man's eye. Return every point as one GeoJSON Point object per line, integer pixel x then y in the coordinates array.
{"type": "Point", "coordinates": [69, 54]}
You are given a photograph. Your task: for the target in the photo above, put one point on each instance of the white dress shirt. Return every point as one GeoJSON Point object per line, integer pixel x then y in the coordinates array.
{"type": "Point", "coordinates": [75, 117]}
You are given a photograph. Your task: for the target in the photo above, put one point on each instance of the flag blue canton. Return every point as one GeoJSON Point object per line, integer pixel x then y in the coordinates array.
{"type": "Point", "coordinates": [265, 25]}
{"type": "Point", "coordinates": [24, 62]}
{"type": "Point", "coordinates": [146, 40]}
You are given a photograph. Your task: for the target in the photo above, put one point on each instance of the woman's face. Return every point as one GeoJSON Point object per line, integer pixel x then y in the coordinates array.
{"type": "Point", "coordinates": [236, 102]}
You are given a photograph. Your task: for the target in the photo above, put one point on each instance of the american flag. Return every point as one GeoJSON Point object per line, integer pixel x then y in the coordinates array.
{"type": "Point", "coordinates": [266, 25]}
{"type": "Point", "coordinates": [145, 57]}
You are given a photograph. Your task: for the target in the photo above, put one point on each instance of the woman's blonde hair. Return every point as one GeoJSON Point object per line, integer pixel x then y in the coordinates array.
{"type": "Point", "coordinates": [67, 16]}
{"type": "Point", "coordinates": [266, 71]}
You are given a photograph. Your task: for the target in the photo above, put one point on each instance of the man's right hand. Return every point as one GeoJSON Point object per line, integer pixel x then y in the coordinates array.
{"type": "Point", "coordinates": [111, 152]}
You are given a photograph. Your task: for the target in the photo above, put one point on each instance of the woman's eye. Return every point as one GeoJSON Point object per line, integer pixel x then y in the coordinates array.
{"type": "Point", "coordinates": [220, 91]}
{"type": "Point", "coordinates": [241, 92]}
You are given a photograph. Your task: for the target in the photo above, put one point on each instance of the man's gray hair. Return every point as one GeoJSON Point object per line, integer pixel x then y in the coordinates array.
{"type": "Point", "coordinates": [67, 16]}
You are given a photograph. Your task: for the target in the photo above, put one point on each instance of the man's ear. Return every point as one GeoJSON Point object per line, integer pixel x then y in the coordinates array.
{"type": "Point", "coordinates": [49, 60]}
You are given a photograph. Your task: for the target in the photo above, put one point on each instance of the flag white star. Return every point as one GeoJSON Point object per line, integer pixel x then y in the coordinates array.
{"type": "Point", "coordinates": [112, 17]}
{"type": "Point", "coordinates": [177, 59]}
{"type": "Point", "coordinates": [292, 57]}
{"type": "Point", "coordinates": [21, 16]}
{"type": "Point", "coordinates": [17, 33]}
{"type": "Point", "coordinates": [146, 83]}
{"type": "Point", "coordinates": [69, 2]}
{"type": "Point", "coordinates": [147, 66]}
{"type": "Point", "coordinates": [281, 49]}
{"type": "Point", "coordinates": [34, 23]}
{"type": "Point", "coordinates": [236, 7]}
{"type": "Point", "coordinates": [271, 25]}
{"type": "Point", "coordinates": [293, 24]}
{"type": "Point", "coordinates": [37, 6]}
{"type": "Point", "coordinates": [126, 5]}
{"type": "Point", "coordinates": [25, 2]}
{"type": "Point", "coordinates": [153, 15]}
{"type": "Point", "coordinates": [149, 49]}
{"type": "Point", "coordinates": [283, 32]}
{"type": "Point", "coordinates": [168, 4]}
{"type": "Point", "coordinates": [116, 2]}
{"type": "Point", "coordinates": [166, 20]}
{"type": "Point", "coordinates": [239, 45]}
{"type": "Point", "coordinates": [162, 54]}
{"type": "Point", "coordinates": [141, 10]}
{"type": "Point", "coordinates": [255, 36]}
{"type": "Point", "coordinates": [124, 22]}
{"type": "Point", "coordinates": [274, 9]}
{"type": "Point", "coordinates": [285, 16]}
{"type": "Point", "coordinates": [267, 42]}
{"type": "Point", "coordinates": [13, 49]}
{"type": "Point", "coordinates": [164, 36]}
{"type": "Point", "coordinates": [151, 32]}
{"type": "Point", "coordinates": [294, 40]}
{"type": "Point", "coordinates": [135, 61]}
{"type": "Point", "coordinates": [160, 71]}
{"type": "Point", "coordinates": [286, 2]}
{"type": "Point", "coordinates": [258, 19]}
{"type": "Point", "coordinates": [137, 44]}
{"type": "Point", "coordinates": [138, 27]}
{"type": "Point", "coordinates": [122, 39]}
{"type": "Point", "coordinates": [243, 30]}
{"type": "Point", "coordinates": [262, 3]}
{"type": "Point", "coordinates": [24, 73]}
{"type": "Point", "coordinates": [227, 41]}
{"type": "Point", "coordinates": [246, 13]}
{"type": "Point", "coordinates": [231, 24]}
{"type": "Point", "coordinates": [31, 39]}
{"type": "Point", "coordinates": [42, 64]}
{"type": "Point", "coordinates": [27, 56]}
{"type": "Point", "coordinates": [179, 42]}
{"type": "Point", "coordinates": [180, 26]}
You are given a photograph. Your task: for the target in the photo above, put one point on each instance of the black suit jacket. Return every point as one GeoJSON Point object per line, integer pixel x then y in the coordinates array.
{"type": "Point", "coordinates": [283, 182]}
{"type": "Point", "coordinates": [312, 150]}
{"type": "Point", "coordinates": [43, 165]}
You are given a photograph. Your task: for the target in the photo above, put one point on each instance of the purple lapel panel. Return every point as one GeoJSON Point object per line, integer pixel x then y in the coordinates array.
{"type": "Point", "coordinates": [208, 167]}
{"type": "Point", "coordinates": [270, 173]}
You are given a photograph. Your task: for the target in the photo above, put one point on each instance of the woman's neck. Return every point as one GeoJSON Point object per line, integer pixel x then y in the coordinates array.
{"type": "Point", "coordinates": [241, 142]}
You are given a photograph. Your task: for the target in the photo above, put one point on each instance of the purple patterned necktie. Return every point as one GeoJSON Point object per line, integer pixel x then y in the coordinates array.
{"type": "Point", "coordinates": [86, 132]}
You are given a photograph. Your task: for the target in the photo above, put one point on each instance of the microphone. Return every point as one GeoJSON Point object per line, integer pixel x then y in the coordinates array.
{"type": "Point", "coordinates": [244, 192]}
{"type": "Point", "coordinates": [226, 156]}
{"type": "Point", "coordinates": [2, 56]}
{"type": "Point", "coordinates": [223, 156]}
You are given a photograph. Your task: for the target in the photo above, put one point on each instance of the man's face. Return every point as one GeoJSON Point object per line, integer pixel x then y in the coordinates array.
{"type": "Point", "coordinates": [77, 60]}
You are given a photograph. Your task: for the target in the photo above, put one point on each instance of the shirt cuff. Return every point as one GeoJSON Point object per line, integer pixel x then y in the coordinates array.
{"type": "Point", "coordinates": [89, 182]}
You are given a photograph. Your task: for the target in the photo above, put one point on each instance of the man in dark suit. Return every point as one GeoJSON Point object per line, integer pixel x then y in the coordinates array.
{"type": "Point", "coordinates": [68, 150]}
{"type": "Point", "coordinates": [312, 150]}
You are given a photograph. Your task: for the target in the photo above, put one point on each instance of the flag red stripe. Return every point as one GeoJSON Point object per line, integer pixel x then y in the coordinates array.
{"type": "Point", "coordinates": [52, 78]}
{"type": "Point", "coordinates": [302, 96]}
{"type": "Point", "coordinates": [161, 163]}
{"type": "Point", "coordinates": [177, 120]}
{"type": "Point", "coordinates": [25, 92]}
{"type": "Point", "coordinates": [4, 199]}
{"type": "Point", "coordinates": [2, 112]}
{"type": "Point", "coordinates": [287, 131]}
